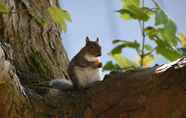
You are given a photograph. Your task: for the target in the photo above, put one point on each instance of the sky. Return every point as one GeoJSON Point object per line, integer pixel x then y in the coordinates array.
{"type": "Point", "coordinates": [97, 18]}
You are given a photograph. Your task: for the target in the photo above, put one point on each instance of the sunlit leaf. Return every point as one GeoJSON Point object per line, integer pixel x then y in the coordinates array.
{"type": "Point", "coordinates": [148, 47]}
{"type": "Point", "coordinates": [166, 50]}
{"type": "Point", "coordinates": [151, 32]}
{"type": "Point", "coordinates": [118, 58]}
{"type": "Point", "coordinates": [60, 17]}
{"type": "Point", "coordinates": [148, 60]}
{"type": "Point", "coordinates": [117, 49]}
{"type": "Point", "coordinates": [110, 66]}
{"type": "Point", "coordinates": [168, 53]}
{"type": "Point", "coordinates": [134, 12]}
{"type": "Point", "coordinates": [123, 62]}
{"type": "Point", "coordinates": [148, 11]}
{"type": "Point", "coordinates": [163, 34]}
{"type": "Point", "coordinates": [125, 14]}
{"type": "Point", "coordinates": [160, 17]}
{"type": "Point", "coordinates": [127, 3]}
{"type": "Point", "coordinates": [182, 38]}
{"type": "Point", "coordinates": [131, 10]}
{"type": "Point", "coordinates": [169, 37]}
{"type": "Point", "coordinates": [171, 26]}
{"type": "Point", "coordinates": [123, 44]}
{"type": "Point", "coordinates": [4, 8]}
{"type": "Point", "coordinates": [168, 28]}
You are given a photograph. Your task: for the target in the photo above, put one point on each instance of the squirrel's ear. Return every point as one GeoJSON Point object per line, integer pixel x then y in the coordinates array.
{"type": "Point", "coordinates": [97, 40]}
{"type": "Point", "coordinates": [87, 39]}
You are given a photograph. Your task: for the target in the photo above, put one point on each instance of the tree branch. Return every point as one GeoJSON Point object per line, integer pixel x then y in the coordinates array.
{"type": "Point", "coordinates": [121, 94]}
{"type": "Point", "coordinates": [131, 93]}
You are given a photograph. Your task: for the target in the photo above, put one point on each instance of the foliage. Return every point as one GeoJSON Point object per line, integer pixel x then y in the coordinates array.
{"type": "Point", "coordinates": [182, 38]}
{"type": "Point", "coordinates": [60, 17]}
{"type": "Point", "coordinates": [162, 35]}
{"type": "Point", "coordinates": [4, 8]}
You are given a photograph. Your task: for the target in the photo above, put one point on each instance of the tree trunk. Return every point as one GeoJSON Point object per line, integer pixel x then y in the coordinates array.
{"type": "Point", "coordinates": [32, 53]}
{"type": "Point", "coordinates": [32, 47]}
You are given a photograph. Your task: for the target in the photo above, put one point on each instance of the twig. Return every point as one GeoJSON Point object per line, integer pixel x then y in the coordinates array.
{"type": "Point", "coordinates": [156, 4]}
{"type": "Point", "coordinates": [142, 27]}
{"type": "Point", "coordinates": [148, 53]}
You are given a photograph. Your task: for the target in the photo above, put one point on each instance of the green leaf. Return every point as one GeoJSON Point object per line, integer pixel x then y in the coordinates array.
{"type": "Point", "coordinates": [123, 44]}
{"type": "Point", "coordinates": [148, 47]}
{"type": "Point", "coordinates": [109, 66]}
{"type": "Point", "coordinates": [4, 8]}
{"type": "Point", "coordinates": [167, 50]}
{"type": "Point", "coordinates": [182, 39]}
{"type": "Point", "coordinates": [127, 3]}
{"type": "Point", "coordinates": [171, 26]}
{"type": "Point", "coordinates": [168, 53]}
{"type": "Point", "coordinates": [125, 14]}
{"type": "Point", "coordinates": [148, 11]}
{"type": "Point", "coordinates": [116, 53]}
{"type": "Point", "coordinates": [134, 12]}
{"type": "Point", "coordinates": [168, 29]}
{"type": "Point", "coordinates": [168, 36]}
{"type": "Point", "coordinates": [117, 41]}
{"type": "Point", "coordinates": [160, 17]}
{"type": "Point", "coordinates": [119, 59]}
{"type": "Point", "coordinates": [131, 44]}
{"type": "Point", "coordinates": [151, 32]}
{"type": "Point", "coordinates": [131, 10]}
{"type": "Point", "coordinates": [123, 62]}
{"type": "Point", "coordinates": [148, 60]}
{"type": "Point", "coordinates": [60, 17]}
{"type": "Point", "coordinates": [117, 49]}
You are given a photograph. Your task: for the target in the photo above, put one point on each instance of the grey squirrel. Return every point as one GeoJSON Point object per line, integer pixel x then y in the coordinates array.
{"type": "Point", "coordinates": [83, 69]}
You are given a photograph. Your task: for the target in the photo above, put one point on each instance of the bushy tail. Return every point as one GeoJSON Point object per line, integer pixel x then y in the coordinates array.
{"type": "Point", "coordinates": [62, 84]}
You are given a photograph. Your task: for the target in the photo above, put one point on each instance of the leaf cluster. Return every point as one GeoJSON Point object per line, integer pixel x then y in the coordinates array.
{"type": "Point", "coordinates": [162, 35]}
{"type": "Point", "coordinates": [59, 16]}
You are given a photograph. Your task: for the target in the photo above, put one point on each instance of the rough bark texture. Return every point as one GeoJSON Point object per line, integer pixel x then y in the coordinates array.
{"type": "Point", "coordinates": [32, 52]}
{"type": "Point", "coordinates": [34, 48]}
{"type": "Point", "coordinates": [157, 92]}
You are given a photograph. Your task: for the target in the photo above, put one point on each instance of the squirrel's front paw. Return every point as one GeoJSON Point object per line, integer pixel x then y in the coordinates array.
{"type": "Point", "coordinates": [99, 65]}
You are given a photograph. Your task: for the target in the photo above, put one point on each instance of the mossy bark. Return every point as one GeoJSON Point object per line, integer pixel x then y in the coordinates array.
{"type": "Point", "coordinates": [33, 42]}
{"type": "Point", "coordinates": [155, 92]}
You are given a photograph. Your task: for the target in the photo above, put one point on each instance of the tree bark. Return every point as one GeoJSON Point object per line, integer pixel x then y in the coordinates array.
{"type": "Point", "coordinates": [33, 47]}
{"type": "Point", "coordinates": [157, 92]}
{"type": "Point", "coordinates": [32, 53]}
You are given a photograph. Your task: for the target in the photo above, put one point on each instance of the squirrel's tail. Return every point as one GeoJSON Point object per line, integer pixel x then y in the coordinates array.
{"type": "Point", "coordinates": [61, 84]}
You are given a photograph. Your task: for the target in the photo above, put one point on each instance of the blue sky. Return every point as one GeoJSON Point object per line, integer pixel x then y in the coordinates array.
{"type": "Point", "coordinates": [97, 18]}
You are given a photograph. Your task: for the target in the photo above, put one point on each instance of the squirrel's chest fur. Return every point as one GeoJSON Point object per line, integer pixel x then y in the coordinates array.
{"type": "Point", "coordinates": [87, 75]}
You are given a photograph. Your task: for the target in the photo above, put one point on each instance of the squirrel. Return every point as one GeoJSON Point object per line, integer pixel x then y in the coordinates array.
{"type": "Point", "coordinates": [83, 69]}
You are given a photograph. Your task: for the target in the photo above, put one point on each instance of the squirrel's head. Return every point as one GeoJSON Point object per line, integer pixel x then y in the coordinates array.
{"type": "Point", "coordinates": [92, 47]}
